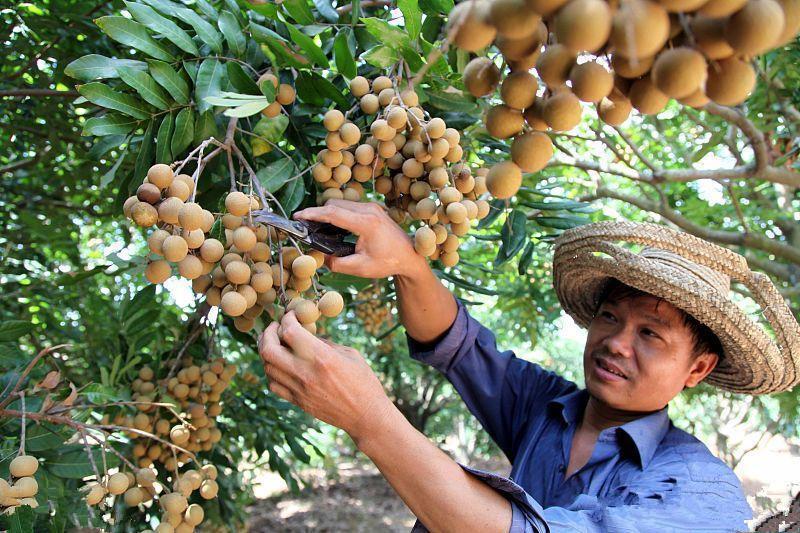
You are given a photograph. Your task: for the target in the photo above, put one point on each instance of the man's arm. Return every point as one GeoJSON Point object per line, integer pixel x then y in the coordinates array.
{"type": "Point", "coordinates": [426, 307]}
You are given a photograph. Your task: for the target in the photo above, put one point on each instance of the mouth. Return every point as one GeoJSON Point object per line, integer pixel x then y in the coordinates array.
{"type": "Point", "coordinates": [611, 369]}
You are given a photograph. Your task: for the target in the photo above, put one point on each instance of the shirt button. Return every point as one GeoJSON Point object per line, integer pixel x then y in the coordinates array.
{"type": "Point", "coordinates": [562, 468]}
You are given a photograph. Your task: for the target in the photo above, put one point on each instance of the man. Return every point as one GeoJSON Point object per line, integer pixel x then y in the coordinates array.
{"type": "Point", "coordinates": [604, 458]}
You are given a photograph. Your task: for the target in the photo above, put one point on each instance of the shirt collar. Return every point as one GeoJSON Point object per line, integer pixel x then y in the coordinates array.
{"type": "Point", "coordinates": [646, 432]}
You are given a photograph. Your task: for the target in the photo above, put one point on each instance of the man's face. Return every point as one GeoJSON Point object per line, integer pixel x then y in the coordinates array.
{"type": "Point", "coordinates": [646, 341]}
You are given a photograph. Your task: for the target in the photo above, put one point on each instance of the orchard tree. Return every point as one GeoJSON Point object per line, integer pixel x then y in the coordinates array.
{"type": "Point", "coordinates": [485, 129]}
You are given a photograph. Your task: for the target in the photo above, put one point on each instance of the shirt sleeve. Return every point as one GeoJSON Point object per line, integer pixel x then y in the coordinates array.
{"type": "Point", "coordinates": [502, 391]}
{"type": "Point", "coordinates": [651, 504]}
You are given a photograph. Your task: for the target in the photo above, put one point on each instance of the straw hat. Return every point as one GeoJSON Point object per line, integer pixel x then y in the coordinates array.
{"type": "Point", "coordinates": [695, 276]}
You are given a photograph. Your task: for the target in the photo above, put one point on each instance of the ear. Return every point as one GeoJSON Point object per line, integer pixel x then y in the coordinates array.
{"type": "Point", "coordinates": [702, 366]}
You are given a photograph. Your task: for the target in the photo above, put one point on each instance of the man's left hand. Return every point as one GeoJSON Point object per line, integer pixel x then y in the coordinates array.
{"type": "Point", "coordinates": [330, 382]}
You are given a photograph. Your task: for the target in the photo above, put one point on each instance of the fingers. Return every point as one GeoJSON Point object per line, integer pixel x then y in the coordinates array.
{"type": "Point", "coordinates": [301, 341]}
{"type": "Point", "coordinates": [282, 392]}
{"type": "Point", "coordinates": [284, 379]}
{"type": "Point", "coordinates": [349, 264]}
{"type": "Point", "coordinates": [272, 352]}
{"type": "Point", "coordinates": [352, 221]}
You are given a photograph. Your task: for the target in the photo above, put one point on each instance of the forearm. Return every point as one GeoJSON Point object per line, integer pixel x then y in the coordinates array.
{"type": "Point", "coordinates": [436, 489]}
{"type": "Point", "coordinates": [426, 307]}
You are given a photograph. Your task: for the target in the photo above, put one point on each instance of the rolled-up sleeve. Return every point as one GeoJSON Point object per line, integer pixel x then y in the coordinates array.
{"type": "Point", "coordinates": [501, 390]}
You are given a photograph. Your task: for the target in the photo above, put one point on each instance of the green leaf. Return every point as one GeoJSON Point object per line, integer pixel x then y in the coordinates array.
{"type": "Point", "coordinates": [100, 394]}
{"type": "Point", "coordinates": [239, 78]}
{"type": "Point", "coordinates": [525, 258]}
{"type": "Point", "coordinates": [209, 82]}
{"type": "Point", "coordinates": [170, 80]}
{"type": "Point", "coordinates": [264, 35]}
{"type": "Point", "coordinates": [464, 284]}
{"type": "Point", "coordinates": [314, 89]}
{"type": "Point", "coordinates": [436, 7]}
{"type": "Point", "coordinates": [292, 195]}
{"type": "Point", "coordinates": [233, 33]}
{"type": "Point", "coordinates": [98, 67]}
{"type": "Point", "coordinates": [556, 206]}
{"type": "Point", "coordinates": [345, 63]}
{"type": "Point", "coordinates": [560, 222]}
{"type": "Point", "coordinates": [389, 35]}
{"type": "Point", "coordinates": [326, 10]}
{"type": "Point", "coordinates": [144, 158]}
{"type": "Point", "coordinates": [274, 176]}
{"type": "Point", "coordinates": [44, 436]}
{"type": "Point", "coordinates": [272, 128]}
{"type": "Point", "coordinates": [163, 140]}
{"type": "Point", "coordinates": [11, 330]}
{"type": "Point", "coordinates": [381, 56]}
{"type": "Point", "coordinates": [315, 53]}
{"type": "Point", "coordinates": [164, 6]}
{"type": "Point", "coordinates": [299, 11]}
{"type": "Point", "coordinates": [109, 124]}
{"type": "Point", "coordinates": [76, 464]}
{"type": "Point", "coordinates": [246, 110]}
{"type": "Point", "coordinates": [207, 33]}
{"type": "Point", "coordinates": [21, 520]}
{"type": "Point", "coordinates": [155, 22]}
{"type": "Point", "coordinates": [513, 236]}
{"type": "Point", "coordinates": [133, 34]}
{"type": "Point", "coordinates": [108, 177]}
{"type": "Point", "coordinates": [102, 95]}
{"type": "Point", "coordinates": [184, 131]}
{"type": "Point", "coordinates": [204, 127]}
{"type": "Point", "coordinates": [146, 86]}
{"type": "Point", "coordinates": [207, 9]}
{"type": "Point", "coordinates": [412, 16]}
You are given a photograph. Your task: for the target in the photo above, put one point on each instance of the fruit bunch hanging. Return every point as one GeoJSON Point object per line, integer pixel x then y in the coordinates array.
{"type": "Point", "coordinates": [252, 269]}
{"type": "Point", "coordinates": [23, 488]}
{"type": "Point", "coordinates": [412, 159]}
{"type": "Point", "coordinates": [619, 56]}
{"type": "Point", "coordinates": [373, 309]}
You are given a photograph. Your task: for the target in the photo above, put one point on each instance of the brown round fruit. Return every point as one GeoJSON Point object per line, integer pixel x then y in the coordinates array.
{"type": "Point", "coordinates": [160, 175]}
{"type": "Point", "coordinates": [709, 36]}
{"type": "Point", "coordinates": [531, 151]}
{"type": "Point", "coordinates": [333, 120]}
{"type": "Point", "coordinates": [721, 8]}
{"type": "Point", "coordinates": [359, 86]}
{"type": "Point", "coordinates": [144, 214]}
{"type": "Point", "coordinates": [157, 271]}
{"type": "Point", "coordinates": [504, 179]}
{"type": "Point", "coordinates": [679, 72]}
{"type": "Point", "coordinates": [756, 27]}
{"type": "Point", "coordinates": [468, 21]}
{"type": "Point", "coordinates": [147, 192]}
{"type": "Point", "coordinates": [190, 216]}
{"type": "Point", "coordinates": [730, 81]}
{"type": "Point", "coordinates": [591, 82]}
{"type": "Point", "coordinates": [518, 90]}
{"type": "Point", "coordinates": [174, 248]}
{"type": "Point", "coordinates": [23, 466]}
{"type": "Point", "coordinates": [554, 65]}
{"type": "Point", "coordinates": [212, 250]}
{"type": "Point", "coordinates": [631, 68]}
{"type": "Point", "coordinates": [513, 18]}
{"type": "Point", "coordinates": [233, 304]}
{"type": "Point", "coordinates": [237, 203]}
{"type": "Point", "coordinates": [646, 97]}
{"type": "Point", "coordinates": [639, 29]}
{"type": "Point", "coordinates": [562, 111]}
{"type": "Point", "coordinates": [583, 25]}
{"type": "Point", "coordinates": [503, 122]}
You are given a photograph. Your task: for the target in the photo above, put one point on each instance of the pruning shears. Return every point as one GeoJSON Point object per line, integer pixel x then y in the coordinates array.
{"type": "Point", "coordinates": [326, 238]}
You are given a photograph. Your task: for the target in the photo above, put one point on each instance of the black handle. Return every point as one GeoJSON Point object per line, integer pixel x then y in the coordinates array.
{"type": "Point", "coordinates": [329, 239]}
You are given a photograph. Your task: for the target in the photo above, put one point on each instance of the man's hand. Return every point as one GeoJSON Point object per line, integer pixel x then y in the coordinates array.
{"type": "Point", "coordinates": [330, 382]}
{"type": "Point", "coordinates": [383, 248]}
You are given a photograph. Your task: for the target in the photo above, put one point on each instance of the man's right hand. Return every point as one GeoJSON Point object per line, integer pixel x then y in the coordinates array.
{"type": "Point", "coordinates": [383, 248]}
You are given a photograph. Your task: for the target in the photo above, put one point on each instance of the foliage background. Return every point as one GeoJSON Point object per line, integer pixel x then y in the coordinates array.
{"type": "Point", "coordinates": [71, 268]}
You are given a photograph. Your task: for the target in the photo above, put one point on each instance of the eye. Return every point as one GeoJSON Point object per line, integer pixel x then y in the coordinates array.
{"type": "Point", "coordinates": [607, 316]}
{"type": "Point", "coordinates": [650, 333]}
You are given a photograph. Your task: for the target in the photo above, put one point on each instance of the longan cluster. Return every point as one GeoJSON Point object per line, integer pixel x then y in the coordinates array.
{"type": "Point", "coordinates": [645, 53]}
{"type": "Point", "coordinates": [197, 390]}
{"type": "Point", "coordinates": [182, 226]}
{"type": "Point", "coordinates": [373, 311]}
{"type": "Point", "coordinates": [413, 160]}
{"type": "Point", "coordinates": [284, 95]}
{"type": "Point", "coordinates": [24, 488]}
{"type": "Point", "coordinates": [143, 487]}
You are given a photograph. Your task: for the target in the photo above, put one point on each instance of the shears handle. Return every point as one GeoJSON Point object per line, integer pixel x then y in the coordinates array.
{"type": "Point", "coordinates": [329, 239]}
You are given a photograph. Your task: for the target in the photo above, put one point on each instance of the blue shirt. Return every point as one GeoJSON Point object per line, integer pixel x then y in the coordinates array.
{"type": "Point", "coordinates": [646, 475]}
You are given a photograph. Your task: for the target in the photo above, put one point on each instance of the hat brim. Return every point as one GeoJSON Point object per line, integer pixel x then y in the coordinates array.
{"type": "Point", "coordinates": [752, 362]}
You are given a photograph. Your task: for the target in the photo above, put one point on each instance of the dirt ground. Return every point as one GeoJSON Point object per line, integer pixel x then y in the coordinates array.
{"type": "Point", "coordinates": [362, 501]}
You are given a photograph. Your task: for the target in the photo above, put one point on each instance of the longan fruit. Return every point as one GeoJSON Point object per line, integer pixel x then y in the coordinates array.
{"type": "Point", "coordinates": [334, 141]}
{"type": "Point", "coordinates": [330, 304]}
{"type": "Point", "coordinates": [173, 502]}
{"type": "Point", "coordinates": [272, 110]}
{"type": "Point", "coordinates": [387, 96]}
{"type": "Point", "coordinates": [194, 514]}
{"type": "Point", "coordinates": [721, 8]}
{"type": "Point", "coordinates": [382, 131]}
{"type": "Point", "coordinates": [244, 238]}
{"type": "Point", "coordinates": [231, 222]}
{"type": "Point", "coordinates": [190, 216]}
{"type": "Point", "coordinates": [157, 271]}
{"type": "Point", "coordinates": [249, 294]}
{"type": "Point", "coordinates": [614, 109]}
{"type": "Point", "coordinates": [117, 483]}
{"type": "Point", "coordinates": [304, 266]}
{"type": "Point", "coordinates": [359, 86]}
{"type": "Point", "coordinates": [709, 36]}
{"type": "Point", "coordinates": [631, 67]}
{"type": "Point", "coordinates": [503, 122]}
{"type": "Point", "coordinates": [96, 493]}
{"type": "Point", "coordinates": [449, 195]}
{"type": "Point", "coordinates": [504, 179]}
{"type": "Point", "coordinates": [128, 205]}
{"type": "Point", "coordinates": [268, 77]}
{"type": "Point", "coordinates": [583, 25]}
{"type": "Point", "coordinates": [350, 133]}
{"type": "Point", "coordinates": [174, 248]}
{"type": "Point", "coordinates": [333, 120]}
{"type": "Point", "coordinates": [435, 128]}
{"type": "Point", "coordinates": [169, 209]}
{"type": "Point", "coordinates": [144, 214]}
{"type": "Point", "coordinates": [513, 18]}
{"type": "Point", "coordinates": [730, 81]}
{"type": "Point", "coordinates": [233, 304]}
{"type": "Point", "coordinates": [147, 192]}
{"type": "Point", "coordinates": [285, 95]}
{"type": "Point", "coordinates": [23, 466]}
{"type": "Point", "coordinates": [179, 190]}
{"type": "Point", "coordinates": [483, 209]}
{"type": "Point", "coordinates": [212, 250]}
{"type": "Point", "coordinates": [646, 97]}
{"type": "Point", "coordinates": [369, 104]}
{"type": "Point", "coordinates": [449, 259]}
{"type": "Point", "coordinates": [469, 21]}
{"type": "Point", "coordinates": [133, 496]}
{"type": "Point", "coordinates": [237, 203]}
{"type": "Point", "coordinates": [397, 118]}
{"type": "Point", "coordinates": [518, 90]}
{"type": "Point", "coordinates": [554, 64]}
{"type": "Point", "coordinates": [679, 72]}
{"type": "Point", "coordinates": [306, 311]}
{"type": "Point", "coordinates": [531, 151]}
{"type": "Point", "coordinates": [591, 81]}
{"type": "Point", "coordinates": [190, 267]}
{"type": "Point", "coordinates": [756, 27]}
{"type": "Point", "coordinates": [187, 179]}
{"type": "Point", "coordinates": [562, 111]}
{"type": "Point", "coordinates": [237, 272]}
{"type": "Point", "coordinates": [791, 15]}
{"type": "Point", "coordinates": [380, 83]}
{"type": "Point", "coordinates": [194, 238]}
{"type": "Point", "coordinates": [639, 29]}
{"type": "Point", "coordinates": [160, 175]}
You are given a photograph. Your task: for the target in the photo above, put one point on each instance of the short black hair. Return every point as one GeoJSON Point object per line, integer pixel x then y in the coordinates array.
{"type": "Point", "coordinates": [704, 340]}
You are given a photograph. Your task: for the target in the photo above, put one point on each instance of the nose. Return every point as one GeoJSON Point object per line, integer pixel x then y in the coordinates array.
{"type": "Point", "coordinates": [620, 341]}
